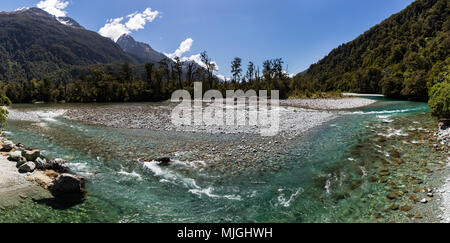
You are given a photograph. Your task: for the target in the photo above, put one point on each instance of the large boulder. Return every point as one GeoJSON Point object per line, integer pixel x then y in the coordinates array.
{"type": "Point", "coordinates": [57, 165]}
{"type": "Point", "coordinates": [7, 146]}
{"type": "Point", "coordinates": [27, 167]}
{"type": "Point", "coordinates": [31, 155]}
{"type": "Point", "coordinates": [68, 184]}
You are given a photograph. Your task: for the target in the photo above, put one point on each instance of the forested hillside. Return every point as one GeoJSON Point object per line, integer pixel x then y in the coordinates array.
{"type": "Point", "coordinates": [34, 44]}
{"type": "Point", "coordinates": [404, 56]}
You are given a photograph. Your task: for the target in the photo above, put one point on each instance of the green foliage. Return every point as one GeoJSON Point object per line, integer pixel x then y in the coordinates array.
{"type": "Point", "coordinates": [402, 57]}
{"type": "Point", "coordinates": [3, 116]}
{"type": "Point", "coordinates": [440, 100]}
{"type": "Point", "coordinates": [4, 101]}
{"type": "Point", "coordinates": [315, 95]}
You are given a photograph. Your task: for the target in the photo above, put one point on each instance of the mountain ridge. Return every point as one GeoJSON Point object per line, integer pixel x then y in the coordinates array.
{"type": "Point", "coordinates": [143, 52]}
{"type": "Point", "coordinates": [35, 44]}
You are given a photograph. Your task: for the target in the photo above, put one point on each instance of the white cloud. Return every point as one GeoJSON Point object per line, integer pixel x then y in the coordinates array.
{"type": "Point", "coordinates": [54, 7]}
{"type": "Point", "coordinates": [137, 21]}
{"type": "Point", "coordinates": [197, 58]}
{"type": "Point", "coordinates": [115, 28]}
{"type": "Point", "coordinates": [184, 47]}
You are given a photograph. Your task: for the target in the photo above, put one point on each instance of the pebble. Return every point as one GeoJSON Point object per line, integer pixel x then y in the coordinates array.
{"type": "Point", "coordinates": [424, 200]}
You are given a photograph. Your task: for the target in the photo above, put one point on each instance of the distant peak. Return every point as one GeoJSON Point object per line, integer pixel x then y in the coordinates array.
{"type": "Point", "coordinates": [34, 10]}
{"type": "Point", "coordinates": [125, 37]}
{"type": "Point", "coordinates": [69, 21]}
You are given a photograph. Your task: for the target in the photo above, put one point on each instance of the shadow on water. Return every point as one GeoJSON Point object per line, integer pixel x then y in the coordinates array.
{"type": "Point", "coordinates": [62, 202]}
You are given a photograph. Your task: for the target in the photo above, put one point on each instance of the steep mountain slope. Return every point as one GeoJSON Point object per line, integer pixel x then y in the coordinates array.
{"type": "Point", "coordinates": [141, 51]}
{"type": "Point", "coordinates": [35, 44]}
{"type": "Point", "coordinates": [401, 57]}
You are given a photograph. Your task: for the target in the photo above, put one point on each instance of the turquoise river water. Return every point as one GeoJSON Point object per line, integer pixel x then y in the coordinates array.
{"type": "Point", "coordinates": [338, 172]}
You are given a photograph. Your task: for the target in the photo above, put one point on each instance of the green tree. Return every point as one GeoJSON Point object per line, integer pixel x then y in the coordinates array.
{"type": "Point", "coordinates": [236, 69]}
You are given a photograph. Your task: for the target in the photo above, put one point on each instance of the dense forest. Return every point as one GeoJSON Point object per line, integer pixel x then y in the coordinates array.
{"type": "Point", "coordinates": [34, 44]}
{"type": "Point", "coordinates": [151, 82]}
{"type": "Point", "coordinates": [403, 57]}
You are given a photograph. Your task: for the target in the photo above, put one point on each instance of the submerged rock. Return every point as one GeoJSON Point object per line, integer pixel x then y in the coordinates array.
{"type": "Point", "coordinates": [392, 196]}
{"type": "Point", "coordinates": [405, 208]}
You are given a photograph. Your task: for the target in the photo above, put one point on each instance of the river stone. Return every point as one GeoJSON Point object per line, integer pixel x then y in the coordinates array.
{"type": "Point", "coordinates": [164, 161]}
{"type": "Point", "coordinates": [405, 208]}
{"type": "Point", "coordinates": [57, 165]}
{"type": "Point", "coordinates": [40, 163]}
{"type": "Point", "coordinates": [392, 196]}
{"type": "Point", "coordinates": [7, 146]}
{"type": "Point", "coordinates": [31, 155]}
{"type": "Point", "coordinates": [27, 167]}
{"type": "Point", "coordinates": [20, 162]}
{"type": "Point", "coordinates": [15, 156]}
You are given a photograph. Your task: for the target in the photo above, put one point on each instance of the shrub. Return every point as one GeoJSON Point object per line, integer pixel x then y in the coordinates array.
{"type": "Point", "coordinates": [440, 100]}
{"type": "Point", "coordinates": [4, 101]}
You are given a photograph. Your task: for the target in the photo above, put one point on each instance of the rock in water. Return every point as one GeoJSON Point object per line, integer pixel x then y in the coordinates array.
{"type": "Point", "coordinates": [27, 167]}
{"type": "Point", "coordinates": [31, 155]}
{"type": "Point", "coordinates": [57, 165]}
{"type": "Point", "coordinates": [15, 156]}
{"type": "Point", "coordinates": [7, 146]}
{"type": "Point", "coordinates": [68, 184]}
{"type": "Point", "coordinates": [164, 161]}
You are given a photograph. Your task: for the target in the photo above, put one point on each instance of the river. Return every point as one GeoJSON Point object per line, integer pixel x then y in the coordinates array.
{"type": "Point", "coordinates": [340, 171]}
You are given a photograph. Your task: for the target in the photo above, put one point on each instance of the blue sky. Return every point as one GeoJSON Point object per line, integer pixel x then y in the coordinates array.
{"type": "Point", "coordinates": [299, 31]}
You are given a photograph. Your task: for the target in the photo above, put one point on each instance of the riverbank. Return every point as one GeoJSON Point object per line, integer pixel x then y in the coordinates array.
{"type": "Point", "coordinates": [328, 104]}
{"type": "Point", "coordinates": [443, 137]}
{"type": "Point", "coordinates": [25, 174]}
{"type": "Point", "coordinates": [14, 187]}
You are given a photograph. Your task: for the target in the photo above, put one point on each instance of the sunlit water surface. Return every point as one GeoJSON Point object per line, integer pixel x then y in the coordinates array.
{"type": "Point", "coordinates": [327, 176]}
